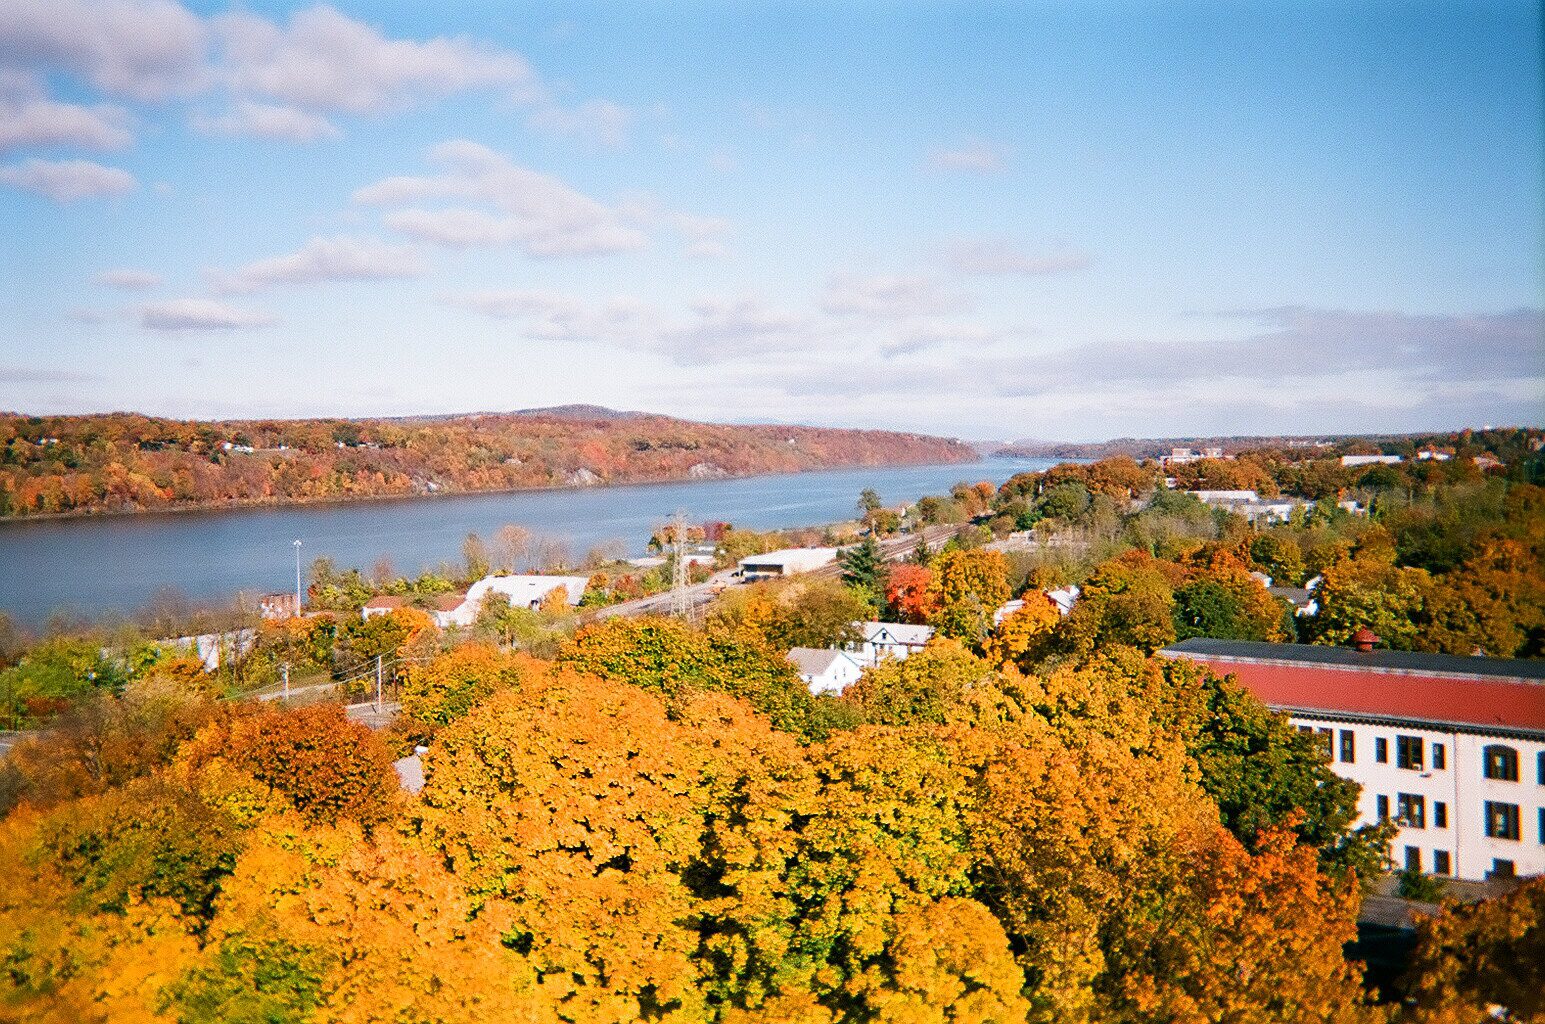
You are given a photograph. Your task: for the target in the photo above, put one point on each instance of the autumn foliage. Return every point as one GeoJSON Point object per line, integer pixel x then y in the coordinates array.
{"type": "Point", "coordinates": [126, 462]}
{"type": "Point", "coordinates": [622, 835]}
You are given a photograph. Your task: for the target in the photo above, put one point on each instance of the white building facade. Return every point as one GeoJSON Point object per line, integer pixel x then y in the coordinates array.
{"type": "Point", "coordinates": [1451, 749]}
{"type": "Point", "coordinates": [1469, 804]}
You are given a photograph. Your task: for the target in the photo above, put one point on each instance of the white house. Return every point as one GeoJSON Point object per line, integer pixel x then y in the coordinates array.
{"type": "Point", "coordinates": [825, 671]}
{"type": "Point", "coordinates": [1064, 598]}
{"type": "Point", "coordinates": [462, 609]}
{"type": "Point", "coordinates": [1451, 748]}
{"type": "Point", "coordinates": [1370, 460]}
{"type": "Point", "coordinates": [786, 562]}
{"type": "Point", "coordinates": [889, 640]}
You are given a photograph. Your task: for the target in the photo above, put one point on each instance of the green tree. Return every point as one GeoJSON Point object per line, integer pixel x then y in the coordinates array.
{"type": "Point", "coordinates": [863, 569]}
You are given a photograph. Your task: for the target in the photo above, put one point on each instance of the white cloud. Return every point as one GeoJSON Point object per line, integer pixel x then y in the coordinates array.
{"type": "Point", "coordinates": [27, 121]}
{"type": "Point", "coordinates": [974, 157]}
{"type": "Point", "coordinates": [329, 259]}
{"type": "Point", "coordinates": [993, 256]}
{"type": "Point", "coordinates": [200, 314]}
{"type": "Point", "coordinates": [557, 316]}
{"type": "Point", "coordinates": [888, 296]}
{"type": "Point", "coordinates": [934, 335]}
{"type": "Point", "coordinates": [542, 214]}
{"type": "Point", "coordinates": [144, 49]}
{"type": "Point", "coordinates": [128, 277]}
{"type": "Point", "coordinates": [729, 328]}
{"type": "Point", "coordinates": [324, 60]}
{"type": "Point", "coordinates": [266, 121]}
{"type": "Point", "coordinates": [68, 181]}
{"type": "Point", "coordinates": [596, 121]}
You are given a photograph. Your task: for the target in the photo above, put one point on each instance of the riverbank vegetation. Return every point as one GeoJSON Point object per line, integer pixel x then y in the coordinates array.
{"type": "Point", "coordinates": [123, 462]}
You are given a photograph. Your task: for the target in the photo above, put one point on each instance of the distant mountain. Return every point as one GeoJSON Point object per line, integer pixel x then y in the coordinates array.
{"type": "Point", "coordinates": [580, 412]}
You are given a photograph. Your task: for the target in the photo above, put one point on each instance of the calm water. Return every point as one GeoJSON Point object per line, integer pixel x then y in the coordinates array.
{"type": "Point", "coordinates": [95, 565]}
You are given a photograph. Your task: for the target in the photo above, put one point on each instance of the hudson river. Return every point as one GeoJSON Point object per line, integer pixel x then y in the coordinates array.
{"type": "Point", "coordinates": [89, 566]}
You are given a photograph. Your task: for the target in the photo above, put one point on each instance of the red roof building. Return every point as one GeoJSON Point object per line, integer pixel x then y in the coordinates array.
{"type": "Point", "coordinates": [1452, 748]}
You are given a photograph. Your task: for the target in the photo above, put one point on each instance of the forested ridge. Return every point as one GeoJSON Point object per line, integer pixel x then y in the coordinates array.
{"type": "Point", "coordinates": [124, 462]}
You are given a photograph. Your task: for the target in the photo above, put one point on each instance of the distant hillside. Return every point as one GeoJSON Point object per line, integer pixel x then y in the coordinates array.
{"type": "Point", "coordinates": [1152, 448]}
{"type": "Point", "coordinates": [125, 462]}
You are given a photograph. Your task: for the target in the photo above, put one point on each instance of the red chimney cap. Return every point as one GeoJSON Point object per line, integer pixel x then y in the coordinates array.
{"type": "Point", "coordinates": [1364, 639]}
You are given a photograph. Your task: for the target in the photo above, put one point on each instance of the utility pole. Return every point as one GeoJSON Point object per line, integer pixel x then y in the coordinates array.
{"type": "Point", "coordinates": [286, 682]}
{"type": "Point", "coordinates": [378, 684]}
{"type": "Point", "coordinates": [297, 578]}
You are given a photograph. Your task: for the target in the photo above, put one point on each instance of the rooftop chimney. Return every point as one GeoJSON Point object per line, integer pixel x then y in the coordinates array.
{"type": "Point", "coordinates": [1364, 639]}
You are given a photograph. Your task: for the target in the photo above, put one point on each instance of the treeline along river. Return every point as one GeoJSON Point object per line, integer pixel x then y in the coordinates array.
{"type": "Point", "coordinates": [117, 563]}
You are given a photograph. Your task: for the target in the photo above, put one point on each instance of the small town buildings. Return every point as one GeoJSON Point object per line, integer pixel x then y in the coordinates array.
{"type": "Point", "coordinates": [1450, 748]}
{"type": "Point", "coordinates": [1370, 460]}
{"type": "Point", "coordinates": [462, 609]}
{"type": "Point", "coordinates": [1225, 497]}
{"type": "Point", "coordinates": [786, 562]}
{"type": "Point", "coordinates": [1180, 456]}
{"type": "Point", "coordinates": [279, 606]}
{"type": "Point", "coordinates": [825, 671]}
{"type": "Point", "coordinates": [213, 648]}
{"type": "Point", "coordinates": [883, 640]}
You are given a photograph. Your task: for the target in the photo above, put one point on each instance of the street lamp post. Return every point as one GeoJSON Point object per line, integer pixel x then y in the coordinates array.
{"type": "Point", "coordinates": [297, 577]}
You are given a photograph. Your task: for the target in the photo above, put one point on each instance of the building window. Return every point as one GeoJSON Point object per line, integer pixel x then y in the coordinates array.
{"type": "Point", "coordinates": [1542, 825]}
{"type": "Point", "coordinates": [1325, 736]}
{"type": "Point", "coordinates": [1413, 858]}
{"type": "Point", "coordinates": [1408, 752]}
{"type": "Point", "coordinates": [1501, 820]}
{"type": "Point", "coordinates": [1439, 814]}
{"type": "Point", "coordinates": [1440, 864]}
{"type": "Point", "coordinates": [1381, 750]}
{"type": "Point", "coordinates": [1501, 868]}
{"type": "Point", "coordinates": [1439, 757]}
{"type": "Point", "coordinates": [1349, 748]}
{"type": "Point", "coordinates": [1383, 805]}
{"type": "Point", "coordinates": [1500, 763]}
{"type": "Point", "coordinates": [1540, 768]}
{"type": "Point", "coordinates": [1412, 810]}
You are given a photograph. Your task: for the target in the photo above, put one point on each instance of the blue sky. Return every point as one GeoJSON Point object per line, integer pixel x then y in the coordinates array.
{"type": "Point", "coordinates": [1056, 220]}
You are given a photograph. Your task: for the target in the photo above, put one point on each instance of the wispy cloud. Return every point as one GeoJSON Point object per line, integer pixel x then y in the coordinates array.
{"type": "Point", "coordinates": [328, 259]}
{"type": "Point", "coordinates": [26, 375]}
{"type": "Point", "coordinates": [888, 296]}
{"type": "Point", "coordinates": [557, 316]}
{"type": "Point", "coordinates": [972, 157]}
{"type": "Point", "coordinates": [996, 256]}
{"type": "Point", "coordinates": [128, 278]}
{"type": "Point", "coordinates": [733, 327]}
{"type": "Point", "coordinates": [68, 181]}
{"type": "Point", "coordinates": [200, 315]}
{"type": "Point", "coordinates": [1304, 351]}
{"type": "Point", "coordinates": [267, 121]}
{"type": "Point", "coordinates": [600, 122]}
{"type": "Point", "coordinates": [538, 212]}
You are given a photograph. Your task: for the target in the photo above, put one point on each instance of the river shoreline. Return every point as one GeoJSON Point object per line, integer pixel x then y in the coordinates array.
{"type": "Point", "coordinates": [259, 505]}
